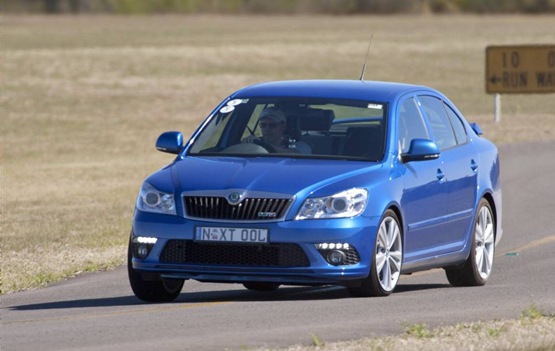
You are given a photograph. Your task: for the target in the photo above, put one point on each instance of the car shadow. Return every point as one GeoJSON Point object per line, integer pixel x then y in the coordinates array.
{"type": "Point", "coordinates": [292, 293]}
{"type": "Point", "coordinates": [286, 293]}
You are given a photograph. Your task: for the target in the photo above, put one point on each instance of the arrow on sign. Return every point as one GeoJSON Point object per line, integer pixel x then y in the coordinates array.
{"type": "Point", "coordinates": [495, 79]}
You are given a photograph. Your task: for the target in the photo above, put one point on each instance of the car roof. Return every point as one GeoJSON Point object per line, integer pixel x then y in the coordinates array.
{"type": "Point", "coordinates": [341, 89]}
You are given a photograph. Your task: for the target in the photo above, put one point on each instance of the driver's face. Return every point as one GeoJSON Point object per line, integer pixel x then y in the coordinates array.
{"type": "Point", "coordinates": [272, 131]}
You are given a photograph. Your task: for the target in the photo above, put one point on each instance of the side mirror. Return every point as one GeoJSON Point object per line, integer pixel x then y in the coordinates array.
{"type": "Point", "coordinates": [421, 150]}
{"type": "Point", "coordinates": [170, 142]}
{"type": "Point", "coordinates": [476, 128]}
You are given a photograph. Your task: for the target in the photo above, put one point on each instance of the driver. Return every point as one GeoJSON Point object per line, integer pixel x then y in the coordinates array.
{"type": "Point", "coordinates": [272, 123]}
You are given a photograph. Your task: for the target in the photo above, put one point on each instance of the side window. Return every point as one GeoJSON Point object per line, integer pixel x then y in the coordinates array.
{"type": "Point", "coordinates": [439, 121]}
{"type": "Point", "coordinates": [411, 125]}
{"type": "Point", "coordinates": [458, 126]}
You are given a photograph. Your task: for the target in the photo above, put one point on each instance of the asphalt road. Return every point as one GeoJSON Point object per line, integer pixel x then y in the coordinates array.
{"type": "Point", "coordinates": [99, 312]}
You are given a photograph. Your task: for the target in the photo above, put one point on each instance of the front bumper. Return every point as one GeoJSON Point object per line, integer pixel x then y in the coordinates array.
{"type": "Point", "coordinates": [290, 257]}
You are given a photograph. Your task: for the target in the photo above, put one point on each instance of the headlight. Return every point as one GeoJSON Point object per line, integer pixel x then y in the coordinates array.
{"type": "Point", "coordinates": [152, 200]}
{"type": "Point", "coordinates": [345, 204]}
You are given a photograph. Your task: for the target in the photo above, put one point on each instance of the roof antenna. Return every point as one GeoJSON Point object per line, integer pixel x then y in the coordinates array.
{"type": "Point", "coordinates": [366, 59]}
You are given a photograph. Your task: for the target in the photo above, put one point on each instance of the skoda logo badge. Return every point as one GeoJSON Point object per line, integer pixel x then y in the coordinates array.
{"type": "Point", "coordinates": [234, 198]}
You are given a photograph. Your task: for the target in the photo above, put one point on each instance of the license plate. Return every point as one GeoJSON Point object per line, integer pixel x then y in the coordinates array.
{"type": "Point", "coordinates": [242, 235]}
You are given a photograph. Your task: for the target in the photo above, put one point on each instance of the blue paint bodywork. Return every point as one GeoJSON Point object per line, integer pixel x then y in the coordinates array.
{"type": "Point", "coordinates": [435, 198]}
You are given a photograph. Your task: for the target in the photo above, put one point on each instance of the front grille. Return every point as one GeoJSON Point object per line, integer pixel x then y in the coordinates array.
{"type": "Point", "coordinates": [207, 207]}
{"type": "Point", "coordinates": [275, 255]}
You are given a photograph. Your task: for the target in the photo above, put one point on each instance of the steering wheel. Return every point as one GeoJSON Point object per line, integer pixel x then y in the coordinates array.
{"type": "Point", "coordinates": [265, 145]}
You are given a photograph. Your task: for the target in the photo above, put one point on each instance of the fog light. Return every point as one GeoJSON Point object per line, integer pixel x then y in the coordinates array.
{"type": "Point", "coordinates": [338, 254]}
{"type": "Point", "coordinates": [142, 251]}
{"type": "Point", "coordinates": [142, 246]}
{"type": "Point", "coordinates": [336, 257]}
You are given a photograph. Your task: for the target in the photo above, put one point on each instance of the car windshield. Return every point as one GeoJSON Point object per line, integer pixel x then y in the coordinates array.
{"type": "Point", "coordinates": [295, 127]}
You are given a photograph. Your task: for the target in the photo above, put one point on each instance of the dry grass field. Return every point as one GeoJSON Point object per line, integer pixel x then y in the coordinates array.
{"type": "Point", "coordinates": [84, 98]}
{"type": "Point", "coordinates": [533, 331]}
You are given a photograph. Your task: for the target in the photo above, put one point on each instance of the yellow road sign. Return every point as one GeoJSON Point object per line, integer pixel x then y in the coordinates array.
{"type": "Point", "coordinates": [520, 69]}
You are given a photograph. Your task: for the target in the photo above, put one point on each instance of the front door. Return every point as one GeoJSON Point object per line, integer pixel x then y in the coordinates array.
{"type": "Point", "coordinates": [424, 200]}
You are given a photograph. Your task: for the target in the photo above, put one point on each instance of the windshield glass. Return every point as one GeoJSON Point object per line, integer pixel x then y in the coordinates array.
{"type": "Point", "coordinates": [295, 127]}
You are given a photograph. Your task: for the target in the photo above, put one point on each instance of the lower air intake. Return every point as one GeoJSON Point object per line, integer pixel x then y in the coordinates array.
{"type": "Point", "coordinates": [273, 255]}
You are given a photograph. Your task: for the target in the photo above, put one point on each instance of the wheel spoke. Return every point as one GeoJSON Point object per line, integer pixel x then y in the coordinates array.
{"type": "Point", "coordinates": [382, 237]}
{"type": "Point", "coordinates": [487, 262]}
{"type": "Point", "coordinates": [479, 257]}
{"type": "Point", "coordinates": [488, 234]}
{"type": "Point", "coordinates": [479, 232]}
{"type": "Point", "coordinates": [485, 217]}
{"type": "Point", "coordinates": [394, 235]}
{"type": "Point", "coordinates": [386, 276]}
{"type": "Point", "coordinates": [396, 257]}
{"type": "Point", "coordinates": [380, 261]}
{"type": "Point", "coordinates": [391, 233]}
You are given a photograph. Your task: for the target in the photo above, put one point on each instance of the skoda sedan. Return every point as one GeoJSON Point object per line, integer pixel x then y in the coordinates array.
{"type": "Point", "coordinates": [319, 182]}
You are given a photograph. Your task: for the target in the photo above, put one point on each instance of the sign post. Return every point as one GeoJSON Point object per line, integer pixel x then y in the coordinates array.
{"type": "Point", "coordinates": [497, 108]}
{"type": "Point", "coordinates": [521, 69]}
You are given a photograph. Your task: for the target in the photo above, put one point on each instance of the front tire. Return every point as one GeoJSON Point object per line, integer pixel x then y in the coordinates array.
{"type": "Point", "coordinates": [387, 259]}
{"type": "Point", "coordinates": [163, 290]}
{"type": "Point", "coordinates": [477, 268]}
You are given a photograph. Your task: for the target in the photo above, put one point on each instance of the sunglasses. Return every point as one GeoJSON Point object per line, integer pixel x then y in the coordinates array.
{"type": "Point", "coordinates": [269, 125]}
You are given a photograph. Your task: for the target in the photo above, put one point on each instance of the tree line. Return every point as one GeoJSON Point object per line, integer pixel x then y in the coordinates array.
{"type": "Point", "coordinates": [339, 7]}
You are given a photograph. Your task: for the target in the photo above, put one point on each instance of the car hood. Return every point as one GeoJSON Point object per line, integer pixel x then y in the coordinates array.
{"type": "Point", "coordinates": [293, 176]}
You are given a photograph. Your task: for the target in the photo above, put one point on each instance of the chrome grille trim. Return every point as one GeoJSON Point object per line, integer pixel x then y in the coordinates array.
{"type": "Point", "coordinates": [252, 207]}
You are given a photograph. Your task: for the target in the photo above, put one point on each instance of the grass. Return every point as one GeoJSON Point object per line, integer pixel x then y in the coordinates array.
{"type": "Point", "coordinates": [419, 331]}
{"type": "Point", "coordinates": [84, 98]}
{"type": "Point", "coordinates": [533, 331]}
{"type": "Point", "coordinates": [317, 341]}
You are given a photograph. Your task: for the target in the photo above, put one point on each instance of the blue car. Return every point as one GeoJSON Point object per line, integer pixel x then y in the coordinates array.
{"type": "Point", "coordinates": [320, 182]}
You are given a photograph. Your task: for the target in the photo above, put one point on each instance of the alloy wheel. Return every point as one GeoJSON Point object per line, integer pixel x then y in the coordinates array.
{"type": "Point", "coordinates": [485, 242]}
{"type": "Point", "coordinates": [389, 254]}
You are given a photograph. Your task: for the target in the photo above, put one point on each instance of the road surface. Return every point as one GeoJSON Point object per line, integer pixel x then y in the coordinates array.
{"type": "Point", "coordinates": [99, 312]}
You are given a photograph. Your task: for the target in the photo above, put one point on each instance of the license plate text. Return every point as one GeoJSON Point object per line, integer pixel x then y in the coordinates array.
{"type": "Point", "coordinates": [245, 235]}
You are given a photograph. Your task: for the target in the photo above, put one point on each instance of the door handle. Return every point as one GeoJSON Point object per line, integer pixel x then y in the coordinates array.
{"type": "Point", "coordinates": [473, 165]}
{"type": "Point", "coordinates": [440, 175]}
